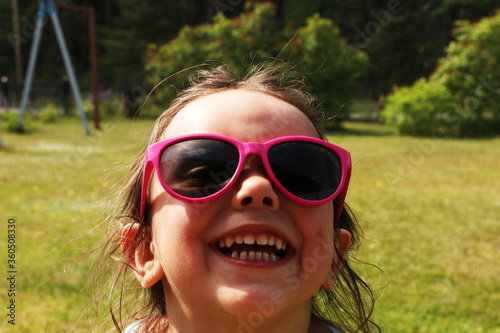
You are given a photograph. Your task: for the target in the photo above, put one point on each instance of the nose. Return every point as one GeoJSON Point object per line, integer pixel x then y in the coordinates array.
{"type": "Point", "coordinates": [254, 189]}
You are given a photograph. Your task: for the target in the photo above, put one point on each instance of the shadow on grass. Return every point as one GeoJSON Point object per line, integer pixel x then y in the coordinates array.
{"type": "Point", "coordinates": [362, 129]}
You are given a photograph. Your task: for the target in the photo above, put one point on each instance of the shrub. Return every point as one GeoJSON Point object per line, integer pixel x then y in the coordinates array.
{"type": "Point", "coordinates": [423, 110]}
{"type": "Point", "coordinates": [48, 114]}
{"type": "Point", "coordinates": [110, 107]}
{"type": "Point", "coordinates": [332, 67]}
{"type": "Point", "coordinates": [462, 97]}
{"type": "Point", "coordinates": [88, 107]}
{"type": "Point", "coordinates": [228, 41]}
{"type": "Point", "coordinates": [12, 124]}
{"type": "Point", "coordinates": [318, 50]}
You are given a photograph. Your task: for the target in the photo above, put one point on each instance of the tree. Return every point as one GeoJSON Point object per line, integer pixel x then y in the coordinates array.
{"type": "Point", "coordinates": [462, 97]}
{"type": "Point", "coordinates": [319, 51]}
{"type": "Point", "coordinates": [471, 72]}
{"type": "Point", "coordinates": [333, 68]}
{"type": "Point", "coordinates": [403, 39]}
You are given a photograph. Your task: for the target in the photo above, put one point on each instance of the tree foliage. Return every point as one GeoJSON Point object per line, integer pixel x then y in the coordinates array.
{"type": "Point", "coordinates": [230, 41]}
{"type": "Point", "coordinates": [404, 39]}
{"type": "Point", "coordinates": [403, 45]}
{"type": "Point", "coordinates": [317, 48]}
{"type": "Point", "coordinates": [462, 97]}
{"type": "Point", "coordinates": [332, 67]}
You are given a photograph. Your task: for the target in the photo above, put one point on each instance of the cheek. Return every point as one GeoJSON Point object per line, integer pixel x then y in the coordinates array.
{"type": "Point", "coordinates": [176, 242]}
{"type": "Point", "coordinates": [157, 195]}
{"type": "Point", "coordinates": [178, 229]}
{"type": "Point", "coordinates": [321, 221]}
{"type": "Point", "coordinates": [318, 239]}
{"type": "Point", "coordinates": [173, 225]}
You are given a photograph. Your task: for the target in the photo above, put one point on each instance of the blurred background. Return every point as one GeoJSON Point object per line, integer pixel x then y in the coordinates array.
{"type": "Point", "coordinates": [350, 50]}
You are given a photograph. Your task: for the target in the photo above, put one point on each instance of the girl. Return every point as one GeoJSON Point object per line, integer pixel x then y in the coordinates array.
{"type": "Point", "coordinates": [234, 219]}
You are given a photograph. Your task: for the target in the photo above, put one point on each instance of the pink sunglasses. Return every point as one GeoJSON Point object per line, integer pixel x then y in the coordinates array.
{"type": "Point", "coordinates": [201, 167]}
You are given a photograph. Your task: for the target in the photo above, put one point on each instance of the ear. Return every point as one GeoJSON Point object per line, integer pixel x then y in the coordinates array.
{"type": "Point", "coordinates": [342, 241]}
{"type": "Point", "coordinates": [141, 256]}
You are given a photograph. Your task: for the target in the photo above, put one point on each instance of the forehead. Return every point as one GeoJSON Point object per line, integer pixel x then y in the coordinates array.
{"type": "Point", "coordinates": [241, 114]}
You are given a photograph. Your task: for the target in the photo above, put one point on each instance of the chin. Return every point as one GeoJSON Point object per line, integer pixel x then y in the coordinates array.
{"type": "Point", "coordinates": [252, 300]}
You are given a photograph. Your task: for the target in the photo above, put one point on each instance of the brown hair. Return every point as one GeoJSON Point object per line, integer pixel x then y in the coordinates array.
{"type": "Point", "coordinates": [348, 306]}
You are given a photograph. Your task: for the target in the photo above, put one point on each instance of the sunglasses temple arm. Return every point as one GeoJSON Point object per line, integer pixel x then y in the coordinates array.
{"type": "Point", "coordinates": [338, 209]}
{"type": "Point", "coordinates": [342, 195]}
{"type": "Point", "coordinates": [148, 169]}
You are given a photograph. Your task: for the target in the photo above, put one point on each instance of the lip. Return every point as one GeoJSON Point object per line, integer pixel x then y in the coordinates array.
{"type": "Point", "coordinates": [253, 228]}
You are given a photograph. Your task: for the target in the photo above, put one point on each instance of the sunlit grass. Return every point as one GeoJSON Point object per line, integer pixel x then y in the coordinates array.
{"type": "Point", "coordinates": [54, 183]}
{"type": "Point", "coordinates": [429, 208]}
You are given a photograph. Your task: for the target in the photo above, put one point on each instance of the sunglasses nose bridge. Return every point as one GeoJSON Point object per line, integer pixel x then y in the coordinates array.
{"type": "Point", "coordinates": [252, 150]}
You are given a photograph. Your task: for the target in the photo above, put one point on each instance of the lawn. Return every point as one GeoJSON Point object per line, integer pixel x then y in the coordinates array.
{"type": "Point", "coordinates": [429, 208]}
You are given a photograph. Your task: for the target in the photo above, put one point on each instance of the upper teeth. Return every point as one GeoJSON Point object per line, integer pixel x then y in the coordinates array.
{"type": "Point", "coordinates": [261, 239]}
{"type": "Point", "coordinates": [250, 239]}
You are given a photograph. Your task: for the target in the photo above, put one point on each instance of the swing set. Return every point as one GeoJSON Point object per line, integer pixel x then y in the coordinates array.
{"type": "Point", "coordinates": [47, 7]}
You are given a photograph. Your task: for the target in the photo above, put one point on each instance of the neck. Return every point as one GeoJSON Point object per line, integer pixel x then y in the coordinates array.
{"type": "Point", "coordinates": [203, 321]}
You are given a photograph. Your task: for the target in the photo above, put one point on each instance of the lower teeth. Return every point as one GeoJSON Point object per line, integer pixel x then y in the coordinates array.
{"type": "Point", "coordinates": [255, 256]}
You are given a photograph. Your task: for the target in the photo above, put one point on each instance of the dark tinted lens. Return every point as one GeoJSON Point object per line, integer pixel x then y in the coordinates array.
{"type": "Point", "coordinates": [305, 169]}
{"type": "Point", "coordinates": [199, 167]}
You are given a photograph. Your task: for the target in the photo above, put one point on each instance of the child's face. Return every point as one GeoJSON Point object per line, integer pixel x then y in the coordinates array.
{"type": "Point", "coordinates": [198, 277]}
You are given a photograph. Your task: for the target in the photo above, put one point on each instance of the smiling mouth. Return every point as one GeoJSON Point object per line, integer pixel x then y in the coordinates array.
{"type": "Point", "coordinates": [260, 247]}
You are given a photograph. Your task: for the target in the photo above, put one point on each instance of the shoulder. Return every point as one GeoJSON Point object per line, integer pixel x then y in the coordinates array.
{"type": "Point", "coordinates": [132, 328]}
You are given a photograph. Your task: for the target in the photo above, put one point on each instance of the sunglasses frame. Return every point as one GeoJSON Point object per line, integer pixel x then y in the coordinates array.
{"type": "Point", "coordinates": [153, 155]}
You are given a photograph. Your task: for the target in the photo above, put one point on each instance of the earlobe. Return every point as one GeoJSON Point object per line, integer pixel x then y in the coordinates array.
{"type": "Point", "coordinates": [141, 256]}
{"type": "Point", "coordinates": [342, 241]}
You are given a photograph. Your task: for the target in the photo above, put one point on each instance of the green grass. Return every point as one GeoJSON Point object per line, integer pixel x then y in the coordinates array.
{"type": "Point", "coordinates": [429, 209]}
{"type": "Point", "coordinates": [53, 182]}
